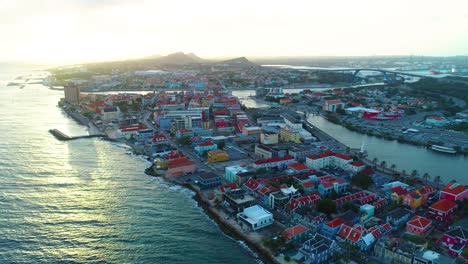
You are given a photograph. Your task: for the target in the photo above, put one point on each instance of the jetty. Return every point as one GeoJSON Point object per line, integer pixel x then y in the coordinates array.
{"type": "Point", "coordinates": [64, 137]}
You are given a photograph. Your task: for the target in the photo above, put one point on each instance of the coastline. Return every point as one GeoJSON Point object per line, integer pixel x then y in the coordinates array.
{"type": "Point", "coordinates": [259, 250]}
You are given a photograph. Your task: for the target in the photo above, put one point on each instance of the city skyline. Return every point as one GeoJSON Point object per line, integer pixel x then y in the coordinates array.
{"type": "Point", "coordinates": [85, 31]}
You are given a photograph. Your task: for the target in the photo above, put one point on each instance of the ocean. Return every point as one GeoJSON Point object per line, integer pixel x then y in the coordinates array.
{"type": "Point", "coordinates": [87, 201]}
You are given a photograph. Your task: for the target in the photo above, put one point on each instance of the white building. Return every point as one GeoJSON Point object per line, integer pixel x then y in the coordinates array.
{"type": "Point", "coordinates": [256, 217]}
{"type": "Point", "coordinates": [328, 159]}
{"type": "Point", "coordinates": [230, 172]}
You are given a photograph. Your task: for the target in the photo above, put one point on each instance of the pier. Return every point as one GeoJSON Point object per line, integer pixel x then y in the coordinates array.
{"type": "Point", "coordinates": [64, 137]}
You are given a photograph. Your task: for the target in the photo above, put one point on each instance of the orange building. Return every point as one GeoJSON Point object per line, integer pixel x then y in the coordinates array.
{"type": "Point", "coordinates": [180, 167]}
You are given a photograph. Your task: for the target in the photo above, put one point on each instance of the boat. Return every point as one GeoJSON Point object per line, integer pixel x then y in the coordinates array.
{"type": "Point", "coordinates": [363, 151]}
{"type": "Point", "coordinates": [443, 149]}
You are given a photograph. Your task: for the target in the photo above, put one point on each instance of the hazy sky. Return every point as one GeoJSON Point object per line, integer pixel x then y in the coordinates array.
{"type": "Point", "coordinates": [72, 31]}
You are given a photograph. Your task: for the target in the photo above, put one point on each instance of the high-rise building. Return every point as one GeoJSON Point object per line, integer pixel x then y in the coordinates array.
{"type": "Point", "coordinates": [72, 93]}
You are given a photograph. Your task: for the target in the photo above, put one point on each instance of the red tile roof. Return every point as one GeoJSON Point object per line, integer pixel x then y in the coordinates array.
{"type": "Point", "coordinates": [252, 184]}
{"type": "Point", "coordinates": [180, 162]}
{"type": "Point", "coordinates": [298, 166]}
{"type": "Point", "coordinates": [226, 187]}
{"type": "Point", "coordinates": [274, 159]}
{"type": "Point", "coordinates": [454, 188]}
{"type": "Point", "coordinates": [345, 230]}
{"type": "Point", "coordinates": [399, 190]}
{"type": "Point", "coordinates": [206, 144]}
{"type": "Point", "coordinates": [355, 235]}
{"type": "Point", "coordinates": [341, 156]}
{"type": "Point", "coordinates": [331, 102]}
{"type": "Point", "coordinates": [308, 185]}
{"type": "Point", "coordinates": [443, 205]}
{"type": "Point", "coordinates": [358, 163]}
{"type": "Point", "coordinates": [419, 222]}
{"type": "Point", "coordinates": [335, 222]}
{"type": "Point", "coordinates": [325, 154]}
{"type": "Point", "coordinates": [294, 231]}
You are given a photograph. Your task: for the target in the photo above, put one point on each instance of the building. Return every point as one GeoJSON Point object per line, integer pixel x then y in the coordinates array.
{"type": "Point", "coordinates": [280, 198]}
{"type": "Point", "coordinates": [413, 199]}
{"type": "Point", "coordinates": [267, 152]}
{"type": "Point", "coordinates": [252, 131]}
{"type": "Point", "coordinates": [419, 225]}
{"type": "Point", "coordinates": [72, 93]}
{"type": "Point", "coordinates": [331, 228]}
{"type": "Point", "coordinates": [183, 132]}
{"type": "Point", "coordinates": [238, 199]}
{"type": "Point", "coordinates": [394, 251]}
{"type": "Point", "coordinates": [205, 146]}
{"type": "Point", "coordinates": [437, 121]}
{"type": "Point", "coordinates": [329, 159]}
{"type": "Point", "coordinates": [230, 172]}
{"type": "Point", "coordinates": [276, 162]}
{"type": "Point", "coordinates": [455, 239]}
{"type": "Point", "coordinates": [442, 211]}
{"type": "Point", "coordinates": [398, 217]}
{"type": "Point", "coordinates": [110, 113]}
{"type": "Point", "coordinates": [144, 135]}
{"type": "Point", "coordinates": [425, 256]}
{"type": "Point", "coordinates": [269, 138]}
{"type": "Point", "coordinates": [454, 192]}
{"type": "Point", "coordinates": [159, 139]}
{"type": "Point", "coordinates": [256, 217]}
{"type": "Point", "coordinates": [209, 180]}
{"type": "Point", "coordinates": [290, 135]}
{"type": "Point", "coordinates": [328, 184]}
{"type": "Point", "coordinates": [298, 233]}
{"type": "Point", "coordinates": [301, 152]}
{"type": "Point", "coordinates": [180, 167]}
{"type": "Point", "coordinates": [292, 120]}
{"type": "Point", "coordinates": [332, 105]}
{"type": "Point", "coordinates": [356, 166]}
{"type": "Point", "coordinates": [128, 132]}
{"type": "Point", "coordinates": [217, 155]}
{"type": "Point", "coordinates": [319, 249]}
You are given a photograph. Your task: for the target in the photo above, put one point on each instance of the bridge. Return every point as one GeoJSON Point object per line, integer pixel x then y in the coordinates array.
{"type": "Point", "coordinates": [389, 75]}
{"type": "Point", "coordinates": [64, 137]}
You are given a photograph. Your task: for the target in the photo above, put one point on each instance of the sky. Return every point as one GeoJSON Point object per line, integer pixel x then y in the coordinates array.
{"type": "Point", "coordinates": [76, 31]}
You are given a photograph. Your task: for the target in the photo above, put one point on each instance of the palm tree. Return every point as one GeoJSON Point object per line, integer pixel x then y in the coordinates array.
{"type": "Point", "coordinates": [414, 173]}
{"type": "Point", "coordinates": [383, 163]}
{"type": "Point", "coordinates": [403, 172]}
{"type": "Point", "coordinates": [425, 177]}
{"type": "Point", "coordinates": [437, 180]}
{"type": "Point", "coordinates": [393, 167]}
{"type": "Point", "coordinates": [375, 160]}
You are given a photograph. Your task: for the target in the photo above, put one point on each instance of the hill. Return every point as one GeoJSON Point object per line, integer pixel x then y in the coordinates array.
{"type": "Point", "coordinates": [237, 62]}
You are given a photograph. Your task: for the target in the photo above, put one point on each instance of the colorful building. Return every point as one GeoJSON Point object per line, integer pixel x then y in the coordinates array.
{"type": "Point", "coordinates": [319, 249]}
{"type": "Point", "coordinates": [205, 146]}
{"type": "Point", "coordinates": [331, 228]}
{"type": "Point", "coordinates": [419, 225]}
{"type": "Point", "coordinates": [180, 167]}
{"type": "Point", "coordinates": [269, 138]}
{"type": "Point", "coordinates": [217, 156]}
{"type": "Point", "coordinates": [298, 233]}
{"type": "Point", "coordinates": [290, 135]}
{"type": "Point", "coordinates": [454, 192]}
{"type": "Point", "coordinates": [328, 184]}
{"type": "Point", "coordinates": [332, 105]}
{"type": "Point", "coordinates": [456, 239]}
{"type": "Point", "coordinates": [276, 162]}
{"type": "Point", "coordinates": [230, 172]}
{"type": "Point", "coordinates": [442, 211]}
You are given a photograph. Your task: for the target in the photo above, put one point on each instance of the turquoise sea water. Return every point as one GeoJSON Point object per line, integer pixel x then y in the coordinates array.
{"type": "Point", "coordinates": [87, 201]}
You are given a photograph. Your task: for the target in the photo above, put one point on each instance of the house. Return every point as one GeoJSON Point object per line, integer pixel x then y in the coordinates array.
{"type": "Point", "coordinates": [350, 217]}
{"type": "Point", "coordinates": [328, 184]}
{"type": "Point", "coordinates": [394, 250]}
{"type": "Point", "coordinates": [309, 218]}
{"type": "Point", "coordinates": [442, 211]}
{"type": "Point", "coordinates": [251, 186]}
{"type": "Point", "coordinates": [332, 227]}
{"type": "Point", "coordinates": [183, 132]}
{"type": "Point", "coordinates": [318, 249]}
{"type": "Point", "coordinates": [298, 167]}
{"type": "Point", "coordinates": [298, 233]}
{"type": "Point", "coordinates": [230, 172]}
{"type": "Point", "coordinates": [205, 146]}
{"type": "Point", "coordinates": [332, 105]}
{"type": "Point", "coordinates": [180, 167]}
{"type": "Point", "coordinates": [280, 198]}
{"type": "Point", "coordinates": [238, 199]}
{"type": "Point", "coordinates": [456, 239]}
{"type": "Point", "coordinates": [144, 135]}
{"type": "Point", "coordinates": [454, 192]}
{"type": "Point", "coordinates": [397, 193]}
{"type": "Point", "coordinates": [209, 180]}
{"type": "Point", "coordinates": [269, 138]}
{"type": "Point", "coordinates": [256, 217]}
{"type": "Point", "coordinates": [398, 217]}
{"type": "Point", "coordinates": [349, 234]}
{"type": "Point", "coordinates": [267, 152]}
{"type": "Point", "coordinates": [419, 225]}
{"type": "Point", "coordinates": [276, 162]}
{"type": "Point", "coordinates": [159, 139]}
{"type": "Point", "coordinates": [412, 199]}
{"type": "Point", "coordinates": [217, 155]}
{"type": "Point", "coordinates": [356, 166]}
{"type": "Point", "coordinates": [425, 256]}
{"type": "Point", "coordinates": [129, 131]}
{"type": "Point", "coordinates": [110, 113]}
{"type": "Point", "coordinates": [264, 194]}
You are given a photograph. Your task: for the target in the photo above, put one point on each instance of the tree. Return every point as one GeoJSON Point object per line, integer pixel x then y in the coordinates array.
{"type": "Point", "coordinates": [437, 180]}
{"type": "Point", "coordinates": [393, 167]}
{"type": "Point", "coordinates": [350, 206]}
{"type": "Point", "coordinates": [326, 206]}
{"type": "Point", "coordinates": [362, 180]}
{"type": "Point", "coordinates": [185, 140]}
{"type": "Point", "coordinates": [414, 173]}
{"type": "Point", "coordinates": [425, 177]}
{"type": "Point", "coordinates": [374, 160]}
{"type": "Point", "coordinates": [383, 163]}
{"type": "Point", "coordinates": [221, 145]}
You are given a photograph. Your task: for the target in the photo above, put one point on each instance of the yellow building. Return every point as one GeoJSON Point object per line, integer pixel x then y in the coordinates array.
{"type": "Point", "coordinates": [217, 156]}
{"type": "Point", "coordinates": [268, 138]}
{"type": "Point", "coordinates": [289, 135]}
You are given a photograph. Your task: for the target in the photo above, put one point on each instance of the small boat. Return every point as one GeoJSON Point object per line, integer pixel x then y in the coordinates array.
{"type": "Point", "coordinates": [443, 149]}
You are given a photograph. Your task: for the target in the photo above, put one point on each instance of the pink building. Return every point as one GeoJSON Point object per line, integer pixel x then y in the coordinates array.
{"type": "Point", "coordinates": [454, 192]}
{"type": "Point", "coordinates": [419, 225]}
{"type": "Point", "coordinates": [180, 167]}
{"type": "Point", "coordinates": [456, 240]}
{"type": "Point", "coordinates": [442, 211]}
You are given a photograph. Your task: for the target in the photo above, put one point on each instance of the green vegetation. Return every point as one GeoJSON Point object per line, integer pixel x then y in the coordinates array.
{"type": "Point", "coordinates": [185, 140]}
{"type": "Point", "coordinates": [275, 244]}
{"type": "Point", "coordinates": [221, 145]}
{"type": "Point", "coordinates": [416, 239]}
{"type": "Point", "coordinates": [287, 258]}
{"type": "Point", "coordinates": [362, 180]}
{"type": "Point", "coordinates": [459, 127]}
{"type": "Point", "coordinates": [435, 88]}
{"type": "Point", "coordinates": [326, 206]}
{"type": "Point", "coordinates": [350, 206]}
{"type": "Point", "coordinates": [332, 118]}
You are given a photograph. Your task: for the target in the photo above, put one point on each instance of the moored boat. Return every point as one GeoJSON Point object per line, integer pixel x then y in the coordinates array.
{"type": "Point", "coordinates": [443, 149]}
